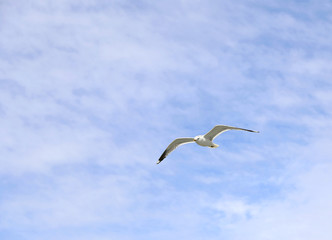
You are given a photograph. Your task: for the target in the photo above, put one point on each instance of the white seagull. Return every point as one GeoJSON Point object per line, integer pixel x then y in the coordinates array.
{"type": "Point", "coordinates": [202, 140]}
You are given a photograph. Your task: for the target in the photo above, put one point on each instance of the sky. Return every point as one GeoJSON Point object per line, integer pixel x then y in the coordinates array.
{"type": "Point", "coordinates": [92, 92]}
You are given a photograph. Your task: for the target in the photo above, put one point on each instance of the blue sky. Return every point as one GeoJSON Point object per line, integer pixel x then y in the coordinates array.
{"type": "Point", "coordinates": [91, 93]}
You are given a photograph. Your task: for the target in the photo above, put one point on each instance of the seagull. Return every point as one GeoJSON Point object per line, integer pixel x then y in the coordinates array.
{"type": "Point", "coordinates": [202, 140]}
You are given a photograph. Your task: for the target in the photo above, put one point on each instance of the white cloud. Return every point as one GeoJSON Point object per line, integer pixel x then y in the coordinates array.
{"type": "Point", "coordinates": [303, 214]}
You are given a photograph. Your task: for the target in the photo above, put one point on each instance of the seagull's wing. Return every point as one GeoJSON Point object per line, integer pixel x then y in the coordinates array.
{"type": "Point", "coordinates": [177, 142]}
{"type": "Point", "coordinates": [218, 129]}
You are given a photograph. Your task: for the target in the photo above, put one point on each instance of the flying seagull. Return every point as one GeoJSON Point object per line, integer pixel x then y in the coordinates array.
{"type": "Point", "coordinates": [202, 140]}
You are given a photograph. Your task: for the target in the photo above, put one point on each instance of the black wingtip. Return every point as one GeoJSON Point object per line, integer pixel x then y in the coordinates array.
{"type": "Point", "coordinates": [162, 157]}
{"type": "Point", "coordinates": [251, 130]}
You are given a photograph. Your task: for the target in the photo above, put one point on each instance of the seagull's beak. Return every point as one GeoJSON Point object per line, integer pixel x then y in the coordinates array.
{"type": "Point", "coordinates": [195, 140]}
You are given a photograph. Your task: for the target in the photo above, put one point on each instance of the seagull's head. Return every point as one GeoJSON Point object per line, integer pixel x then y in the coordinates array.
{"type": "Point", "coordinates": [196, 138]}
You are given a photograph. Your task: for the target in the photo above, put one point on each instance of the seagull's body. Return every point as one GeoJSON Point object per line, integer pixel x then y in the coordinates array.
{"type": "Point", "coordinates": [202, 140]}
{"type": "Point", "coordinates": [205, 142]}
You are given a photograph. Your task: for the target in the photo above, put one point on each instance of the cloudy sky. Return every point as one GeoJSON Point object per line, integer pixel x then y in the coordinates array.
{"type": "Point", "coordinates": [92, 92]}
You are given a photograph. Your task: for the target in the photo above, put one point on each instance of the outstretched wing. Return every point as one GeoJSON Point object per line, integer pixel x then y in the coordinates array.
{"type": "Point", "coordinates": [177, 142]}
{"type": "Point", "coordinates": [218, 129]}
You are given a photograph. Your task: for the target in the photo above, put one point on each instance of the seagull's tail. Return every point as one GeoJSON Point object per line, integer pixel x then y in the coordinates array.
{"type": "Point", "coordinates": [214, 146]}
